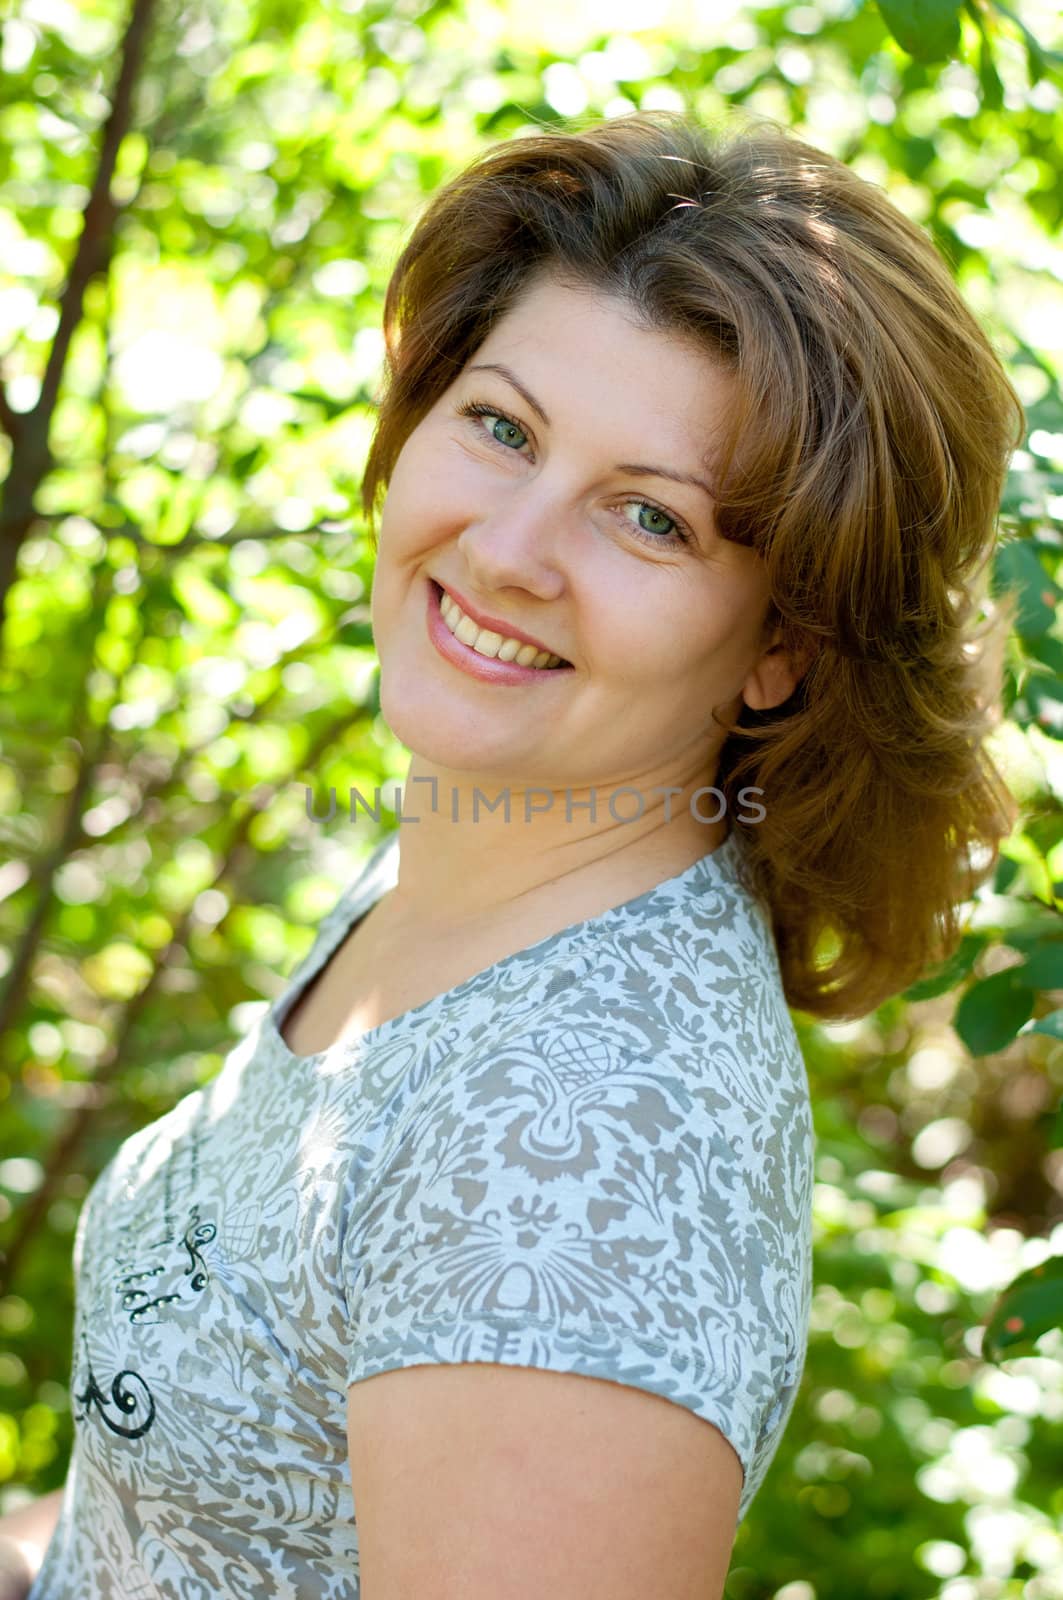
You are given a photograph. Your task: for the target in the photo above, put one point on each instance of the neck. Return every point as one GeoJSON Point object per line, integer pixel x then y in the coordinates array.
{"type": "Point", "coordinates": [471, 847]}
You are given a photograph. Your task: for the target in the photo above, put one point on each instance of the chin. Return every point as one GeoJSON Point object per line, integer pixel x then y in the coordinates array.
{"type": "Point", "coordinates": [440, 733]}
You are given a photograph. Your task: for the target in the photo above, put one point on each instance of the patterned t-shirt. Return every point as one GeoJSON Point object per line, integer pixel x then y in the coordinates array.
{"type": "Point", "coordinates": [594, 1156]}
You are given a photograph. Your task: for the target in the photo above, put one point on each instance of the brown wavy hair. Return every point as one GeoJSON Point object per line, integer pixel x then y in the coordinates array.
{"type": "Point", "coordinates": [865, 462]}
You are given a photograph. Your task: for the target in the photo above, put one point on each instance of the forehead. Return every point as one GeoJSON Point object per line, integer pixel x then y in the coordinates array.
{"type": "Point", "coordinates": [576, 347]}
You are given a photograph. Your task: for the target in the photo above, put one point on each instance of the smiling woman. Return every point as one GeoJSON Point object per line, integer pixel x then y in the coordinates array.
{"type": "Point", "coordinates": [484, 1266]}
{"type": "Point", "coordinates": [533, 483]}
{"type": "Point", "coordinates": [854, 425]}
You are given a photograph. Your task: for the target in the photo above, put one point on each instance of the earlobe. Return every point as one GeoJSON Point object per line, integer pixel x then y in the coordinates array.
{"type": "Point", "coordinates": [775, 676]}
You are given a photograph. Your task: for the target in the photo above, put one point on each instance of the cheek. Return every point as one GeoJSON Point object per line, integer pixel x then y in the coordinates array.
{"type": "Point", "coordinates": [696, 645]}
{"type": "Point", "coordinates": [429, 488]}
{"type": "Point", "coordinates": [404, 519]}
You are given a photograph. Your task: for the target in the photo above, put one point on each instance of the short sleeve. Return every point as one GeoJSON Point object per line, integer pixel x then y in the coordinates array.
{"type": "Point", "coordinates": [562, 1204]}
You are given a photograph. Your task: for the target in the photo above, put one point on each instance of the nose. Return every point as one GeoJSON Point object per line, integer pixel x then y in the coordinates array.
{"type": "Point", "coordinates": [516, 545]}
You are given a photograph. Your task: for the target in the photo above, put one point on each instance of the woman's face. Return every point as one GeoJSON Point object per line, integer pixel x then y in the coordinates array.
{"type": "Point", "coordinates": [557, 514]}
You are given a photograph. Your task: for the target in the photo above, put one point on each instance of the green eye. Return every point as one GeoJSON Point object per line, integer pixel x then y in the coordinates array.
{"type": "Point", "coordinates": [476, 408]}
{"type": "Point", "coordinates": [668, 538]}
{"type": "Point", "coordinates": [511, 436]}
{"type": "Point", "coordinates": [507, 427]}
{"type": "Point", "coordinates": [653, 512]}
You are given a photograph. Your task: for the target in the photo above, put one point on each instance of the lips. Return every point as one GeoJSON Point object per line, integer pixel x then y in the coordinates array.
{"type": "Point", "coordinates": [506, 629]}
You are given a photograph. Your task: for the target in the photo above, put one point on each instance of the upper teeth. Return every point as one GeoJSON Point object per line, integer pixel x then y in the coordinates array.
{"type": "Point", "coordinates": [486, 643]}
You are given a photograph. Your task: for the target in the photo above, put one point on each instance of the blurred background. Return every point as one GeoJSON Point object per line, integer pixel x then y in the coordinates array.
{"type": "Point", "coordinates": [200, 205]}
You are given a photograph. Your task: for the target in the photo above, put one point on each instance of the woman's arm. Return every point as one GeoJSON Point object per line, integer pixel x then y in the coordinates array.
{"type": "Point", "coordinates": [24, 1537]}
{"type": "Point", "coordinates": [477, 1480]}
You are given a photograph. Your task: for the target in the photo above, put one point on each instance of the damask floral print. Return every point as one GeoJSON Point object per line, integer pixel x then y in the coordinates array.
{"type": "Point", "coordinates": [595, 1156]}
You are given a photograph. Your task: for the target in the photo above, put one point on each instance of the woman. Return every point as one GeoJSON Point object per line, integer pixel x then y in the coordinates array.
{"type": "Point", "coordinates": [692, 455]}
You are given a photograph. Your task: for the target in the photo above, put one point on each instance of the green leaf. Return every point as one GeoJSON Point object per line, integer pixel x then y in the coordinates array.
{"type": "Point", "coordinates": [993, 1010]}
{"type": "Point", "coordinates": [989, 77]}
{"type": "Point", "coordinates": [1037, 57]}
{"type": "Point", "coordinates": [1029, 1307]}
{"type": "Point", "coordinates": [955, 969]}
{"type": "Point", "coordinates": [200, 600]}
{"type": "Point", "coordinates": [1005, 875]}
{"type": "Point", "coordinates": [1055, 1137]}
{"type": "Point", "coordinates": [1052, 1025]}
{"type": "Point", "coordinates": [1036, 64]}
{"type": "Point", "coordinates": [1018, 569]}
{"type": "Point", "coordinates": [928, 29]}
{"type": "Point", "coordinates": [1044, 969]}
{"type": "Point", "coordinates": [1024, 927]}
{"type": "Point", "coordinates": [1047, 412]}
{"type": "Point", "coordinates": [1046, 831]}
{"type": "Point", "coordinates": [1046, 656]}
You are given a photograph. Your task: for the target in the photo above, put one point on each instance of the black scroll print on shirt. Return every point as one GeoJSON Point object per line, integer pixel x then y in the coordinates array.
{"type": "Point", "coordinates": [129, 1396]}
{"type": "Point", "coordinates": [127, 1405]}
{"type": "Point", "coordinates": [196, 1237]}
{"type": "Point", "coordinates": [134, 1287]}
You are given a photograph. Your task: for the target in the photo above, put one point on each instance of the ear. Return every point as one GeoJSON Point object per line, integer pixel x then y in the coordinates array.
{"type": "Point", "coordinates": [776, 674]}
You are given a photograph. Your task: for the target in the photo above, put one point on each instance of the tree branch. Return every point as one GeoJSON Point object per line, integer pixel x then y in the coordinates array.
{"type": "Point", "coordinates": [100, 209]}
{"type": "Point", "coordinates": [10, 421]}
{"type": "Point", "coordinates": [33, 459]}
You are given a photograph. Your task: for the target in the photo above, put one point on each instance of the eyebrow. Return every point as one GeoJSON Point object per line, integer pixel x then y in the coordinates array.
{"type": "Point", "coordinates": [635, 468]}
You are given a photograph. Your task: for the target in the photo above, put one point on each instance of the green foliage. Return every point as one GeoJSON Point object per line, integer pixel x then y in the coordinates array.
{"type": "Point", "coordinates": [1030, 1308]}
{"type": "Point", "coordinates": [928, 29]}
{"type": "Point", "coordinates": [190, 304]}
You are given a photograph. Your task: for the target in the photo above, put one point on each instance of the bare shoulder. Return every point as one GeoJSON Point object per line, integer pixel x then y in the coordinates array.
{"type": "Point", "coordinates": [479, 1479]}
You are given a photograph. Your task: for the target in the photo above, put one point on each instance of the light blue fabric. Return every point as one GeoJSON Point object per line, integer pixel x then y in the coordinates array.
{"type": "Point", "coordinates": [596, 1157]}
